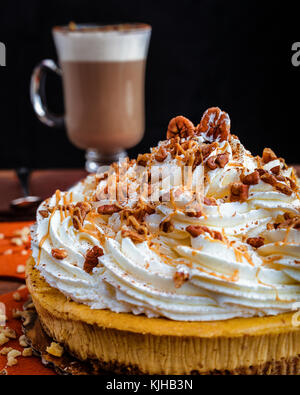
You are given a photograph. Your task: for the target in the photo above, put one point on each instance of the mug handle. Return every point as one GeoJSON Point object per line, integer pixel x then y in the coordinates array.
{"type": "Point", "coordinates": [37, 93]}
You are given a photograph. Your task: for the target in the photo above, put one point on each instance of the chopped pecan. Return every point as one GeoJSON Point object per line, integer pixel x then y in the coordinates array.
{"type": "Point", "coordinates": [287, 216]}
{"type": "Point", "coordinates": [290, 222]}
{"type": "Point", "coordinates": [216, 235]}
{"type": "Point", "coordinates": [102, 176]}
{"type": "Point", "coordinates": [91, 258]}
{"type": "Point", "coordinates": [251, 179]}
{"type": "Point", "coordinates": [161, 155]}
{"type": "Point", "coordinates": [268, 178]}
{"type": "Point", "coordinates": [197, 159]}
{"type": "Point", "coordinates": [239, 192]}
{"type": "Point", "coordinates": [143, 159]}
{"type": "Point", "coordinates": [279, 177]}
{"type": "Point", "coordinates": [196, 230]}
{"type": "Point", "coordinates": [80, 211]}
{"type": "Point", "coordinates": [268, 155]}
{"type": "Point", "coordinates": [292, 183]}
{"type": "Point", "coordinates": [211, 162]}
{"type": "Point", "coordinates": [147, 209]}
{"type": "Point", "coordinates": [180, 278]}
{"type": "Point", "coordinates": [275, 170]}
{"type": "Point", "coordinates": [276, 181]}
{"type": "Point", "coordinates": [256, 242]}
{"type": "Point", "coordinates": [166, 226]}
{"type": "Point", "coordinates": [59, 253]}
{"type": "Point", "coordinates": [133, 235]}
{"type": "Point", "coordinates": [222, 160]}
{"type": "Point", "coordinates": [180, 125]}
{"type": "Point", "coordinates": [44, 213]}
{"type": "Point", "coordinates": [214, 124]}
{"type": "Point", "coordinates": [217, 161]}
{"type": "Point", "coordinates": [207, 149]}
{"type": "Point", "coordinates": [209, 201]}
{"type": "Point", "coordinates": [194, 211]}
{"type": "Point", "coordinates": [261, 171]}
{"type": "Point", "coordinates": [283, 188]}
{"type": "Point", "coordinates": [108, 209]}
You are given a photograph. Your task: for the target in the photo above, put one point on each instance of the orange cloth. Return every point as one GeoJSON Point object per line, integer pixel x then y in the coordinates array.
{"type": "Point", "coordinates": [26, 365]}
{"type": "Point", "coordinates": [19, 254]}
{"type": "Point", "coordinates": [8, 268]}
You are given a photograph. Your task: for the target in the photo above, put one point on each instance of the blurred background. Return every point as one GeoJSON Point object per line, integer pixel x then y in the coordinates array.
{"type": "Point", "coordinates": [233, 54]}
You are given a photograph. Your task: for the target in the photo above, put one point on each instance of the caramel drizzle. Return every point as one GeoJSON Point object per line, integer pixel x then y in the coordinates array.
{"type": "Point", "coordinates": [233, 278]}
{"type": "Point", "coordinates": [44, 238]}
{"type": "Point", "coordinates": [155, 248]}
{"type": "Point", "coordinates": [239, 255]}
{"type": "Point", "coordinates": [268, 285]}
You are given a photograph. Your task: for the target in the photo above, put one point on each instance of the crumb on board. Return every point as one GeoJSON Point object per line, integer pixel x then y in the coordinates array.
{"type": "Point", "coordinates": [27, 352]}
{"type": "Point", "coordinates": [55, 349]}
{"type": "Point", "coordinates": [22, 341]}
{"type": "Point", "coordinates": [20, 269]}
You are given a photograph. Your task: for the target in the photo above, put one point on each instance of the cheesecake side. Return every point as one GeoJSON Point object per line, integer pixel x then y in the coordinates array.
{"type": "Point", "coordinates": [126, 343]}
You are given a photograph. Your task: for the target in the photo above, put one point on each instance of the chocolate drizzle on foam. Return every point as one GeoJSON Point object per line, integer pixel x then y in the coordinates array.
{"type": "Point", "coordinates": [199, 204]}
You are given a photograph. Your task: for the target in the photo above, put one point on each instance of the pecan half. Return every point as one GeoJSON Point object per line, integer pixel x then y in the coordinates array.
{"type": "Point", "coordinates": [59, 253]}
{"type": "Point", "coordinates": [44, 213]}
{"type": "Point", "coordinates": [222, 160]}
{"type": "Point", "coordinates": [180, 126]}
{"type": "Point", "coordinates": [251, 179]}
{"type": "Point", "coordinates": [80, 211]}
{"type": "Point", "coordinates": [239, 192]}
{"type": "Point", "coordinates": [91, 258]}
{"type": "Point", "coordinates": [268, 155]}
{"type": "Point", "coordinates": [256, 242]}
{"type": "Point", "coordinates": [108, 209]}
{"type": "Point", "coordinates": [215, 124]}
{"type": "Point", "coordinates": [180, 278]}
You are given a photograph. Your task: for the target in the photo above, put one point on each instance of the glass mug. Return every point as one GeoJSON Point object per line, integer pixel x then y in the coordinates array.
{"type": "Point", "coordinates": [103, 74]}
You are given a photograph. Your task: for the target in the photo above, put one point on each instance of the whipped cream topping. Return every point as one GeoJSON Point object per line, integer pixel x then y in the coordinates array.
{"type": "Point", "coordinates": [189, 251]}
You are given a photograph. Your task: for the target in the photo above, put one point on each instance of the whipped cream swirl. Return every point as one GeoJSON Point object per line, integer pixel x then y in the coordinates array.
{"type": "Point", "coordinates": [215, 274]}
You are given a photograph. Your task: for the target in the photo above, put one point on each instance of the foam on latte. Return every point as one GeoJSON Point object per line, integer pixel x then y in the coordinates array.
{"type": "Point", "coordinates": [102, 44]}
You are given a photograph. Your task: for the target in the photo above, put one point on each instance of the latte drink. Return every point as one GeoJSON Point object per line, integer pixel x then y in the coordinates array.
{"type": "Point", "coordinates": [103, 70]}
{"type": "Point", "coordinates": [104, 103]}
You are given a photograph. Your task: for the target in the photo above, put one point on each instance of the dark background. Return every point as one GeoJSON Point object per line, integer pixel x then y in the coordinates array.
{"type": "Point", "coordinates": [233, 54]}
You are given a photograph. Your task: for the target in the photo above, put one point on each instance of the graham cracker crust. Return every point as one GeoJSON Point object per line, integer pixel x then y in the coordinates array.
{"type": "Point", "coordinates": [69, 365]}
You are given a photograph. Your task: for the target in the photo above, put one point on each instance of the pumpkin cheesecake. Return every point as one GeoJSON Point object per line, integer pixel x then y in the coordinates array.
{"type": "Point", "coordinates": [185, 260]}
